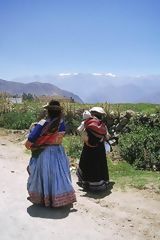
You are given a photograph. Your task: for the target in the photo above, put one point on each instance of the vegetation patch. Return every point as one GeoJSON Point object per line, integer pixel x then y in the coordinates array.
{"type": "Point", "coordinates": [140, 146]}
{"type": "Point", "coordinates": [124, 175]}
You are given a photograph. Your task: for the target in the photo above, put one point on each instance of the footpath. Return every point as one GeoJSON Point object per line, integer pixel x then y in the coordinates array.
{"type": "Point", "coordinates": [115, 215]}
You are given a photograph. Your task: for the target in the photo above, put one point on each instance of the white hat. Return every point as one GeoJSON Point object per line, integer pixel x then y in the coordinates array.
{"type": "Point", "coordinates": [86, 114]}
{"type": "Point", "coordinates": [98, 110]}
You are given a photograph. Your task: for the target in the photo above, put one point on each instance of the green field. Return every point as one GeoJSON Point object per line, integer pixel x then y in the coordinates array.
{"type": "Point", "coordinates": [122, 173]}
{"type": "Point", "coordinates": [125, 176]}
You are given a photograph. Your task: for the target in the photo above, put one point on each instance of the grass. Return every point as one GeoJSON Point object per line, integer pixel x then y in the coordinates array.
{"type": "Point", "coordinates": [118, 107]}
{"type": "Point", "coordinates": [124, 175]}
{"type": "Point", "coordinates": [138, 107]}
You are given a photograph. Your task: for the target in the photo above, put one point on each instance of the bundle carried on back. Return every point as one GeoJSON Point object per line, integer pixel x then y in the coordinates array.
{"type": "Point", "coordinates": [96, 127]}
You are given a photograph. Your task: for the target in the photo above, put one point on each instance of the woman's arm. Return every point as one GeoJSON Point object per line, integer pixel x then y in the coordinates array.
{"type": "Point", "coordinates": [81, 127]}
{"type": "Point", "coordinates": [28, 144]}
{"type": "Point", "coordinates": [62, 127]}
{"type": "Point", "coordinates": [35, 133]}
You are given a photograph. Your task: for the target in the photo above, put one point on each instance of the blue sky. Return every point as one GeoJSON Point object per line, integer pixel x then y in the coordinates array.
{"type": "Point", "coordinates": [39, 37]}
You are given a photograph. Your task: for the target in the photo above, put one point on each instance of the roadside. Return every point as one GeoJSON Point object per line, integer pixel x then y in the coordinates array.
{"type": "Point", "coordinates": [132, 214]}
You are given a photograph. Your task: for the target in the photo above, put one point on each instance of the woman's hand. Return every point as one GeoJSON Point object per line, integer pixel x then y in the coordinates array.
{"type": "Point", "coordinates": [28, 144]}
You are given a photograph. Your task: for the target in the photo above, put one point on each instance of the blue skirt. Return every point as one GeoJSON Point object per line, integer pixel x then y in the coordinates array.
{"type": "Point", "coordinates": [49, 181]}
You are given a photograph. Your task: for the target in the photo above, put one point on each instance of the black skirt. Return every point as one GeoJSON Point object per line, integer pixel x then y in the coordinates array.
{"type": "Point", "coordinates": [93, 164]}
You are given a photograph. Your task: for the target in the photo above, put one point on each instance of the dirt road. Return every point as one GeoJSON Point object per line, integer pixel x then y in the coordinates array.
{"type": "Point", "coordinates": [116, 215]}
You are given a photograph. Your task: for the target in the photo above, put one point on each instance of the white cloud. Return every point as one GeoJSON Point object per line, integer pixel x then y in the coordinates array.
{"type": "Point", "coordinates": [110, 75]}
{"type": "Point", "coordinates": [68, 74]}
{"type": "Point", "coordinates": [97, 74]}
{"type": "Point", "coordinates": [94, 74]}
{"type": "Point", "coordinates": [64, 74]}
{"type": "Point", "coordinates": [104, 74]}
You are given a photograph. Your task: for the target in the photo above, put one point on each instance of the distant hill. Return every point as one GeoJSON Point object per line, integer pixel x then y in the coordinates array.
{"type": "Point", "coordinates": [36, 88]}
{"type": "Point", "coordinates": [100, 87]}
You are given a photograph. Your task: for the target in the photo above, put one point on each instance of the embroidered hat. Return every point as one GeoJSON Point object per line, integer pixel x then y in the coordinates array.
{"type": "Point", "coordinates": [98, 110]}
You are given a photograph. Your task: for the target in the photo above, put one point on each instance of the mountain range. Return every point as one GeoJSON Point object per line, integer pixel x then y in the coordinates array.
{"type": "Point", "coordinates": [91, 87]}
{"type": "Point", "coordinates": [35, 88]}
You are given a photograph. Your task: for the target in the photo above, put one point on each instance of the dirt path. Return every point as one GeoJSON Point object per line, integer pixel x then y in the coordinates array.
{"type": "Point", "coordinates": [118, 215]}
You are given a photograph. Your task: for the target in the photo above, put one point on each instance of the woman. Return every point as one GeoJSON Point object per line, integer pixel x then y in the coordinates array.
{"type": "Point", "coordinates": [49, 181]}
{"type": "Point", "coordinates": [93, 170]}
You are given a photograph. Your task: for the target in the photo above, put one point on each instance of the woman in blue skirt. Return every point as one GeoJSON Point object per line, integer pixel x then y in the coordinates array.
{"type": "Point", "coordinates": [49, 181]}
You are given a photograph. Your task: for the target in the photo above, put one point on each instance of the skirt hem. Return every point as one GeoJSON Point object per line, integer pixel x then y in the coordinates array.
{"type": "Point", "coordinates": [52, 201]}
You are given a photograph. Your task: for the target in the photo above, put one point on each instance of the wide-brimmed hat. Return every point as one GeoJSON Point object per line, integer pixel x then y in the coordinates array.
{"type": "Point", "coordinates": [53, 105]}
{"type": "Point", "coordinates": [99, 110]}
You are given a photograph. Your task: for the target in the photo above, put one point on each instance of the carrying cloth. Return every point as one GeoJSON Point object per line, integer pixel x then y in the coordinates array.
{"type": "Point", "coordinates": [49, 135]}
{"type": "Point", "coordinates": [96, 127]}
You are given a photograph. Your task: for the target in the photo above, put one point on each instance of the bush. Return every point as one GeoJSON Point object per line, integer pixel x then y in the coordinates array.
{"type": "Point", "coordinates": [73, 146]}
{"type": "Point", "coordinates": [17, 120]}
{"type": "Point", "coordinates": [141, 147]}
{"type": "Point", "coordinates": [72, 122]}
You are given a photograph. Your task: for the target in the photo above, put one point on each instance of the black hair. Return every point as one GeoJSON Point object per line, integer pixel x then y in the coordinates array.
{"type": "Point", "coordinates": [96, 114]}
{"type": "Point", "coordinates": [92, 139]}
{"type": "Point", "coordinates": [54, 109]}
{"type": "Point", "coordinates": [54, 103]}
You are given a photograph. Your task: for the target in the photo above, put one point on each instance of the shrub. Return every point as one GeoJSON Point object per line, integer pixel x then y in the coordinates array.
{"type": "Point", "coordinates": [73, 146]}
{"type": "Point", "coordinates": [141, 147]}
{"type": "Point", "coordinates": [17, 120]}
{"type": "Point", "coordinates": [72, 122]}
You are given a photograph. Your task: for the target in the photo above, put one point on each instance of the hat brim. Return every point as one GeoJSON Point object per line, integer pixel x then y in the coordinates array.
{"type": "Point", "coordinates": [46, 105]}
{"type": "Point", "coordinates": [98, 110]}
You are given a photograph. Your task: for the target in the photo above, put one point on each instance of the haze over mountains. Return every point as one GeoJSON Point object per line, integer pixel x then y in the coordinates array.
{"type": "Point", "coordinates": [89, 88]}
{"type": "Point", "coordinates": [105, 87]}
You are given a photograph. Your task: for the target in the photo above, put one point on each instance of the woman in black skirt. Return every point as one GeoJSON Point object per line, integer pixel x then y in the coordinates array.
{"type": "Point", "coordinates": [92, 171]}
